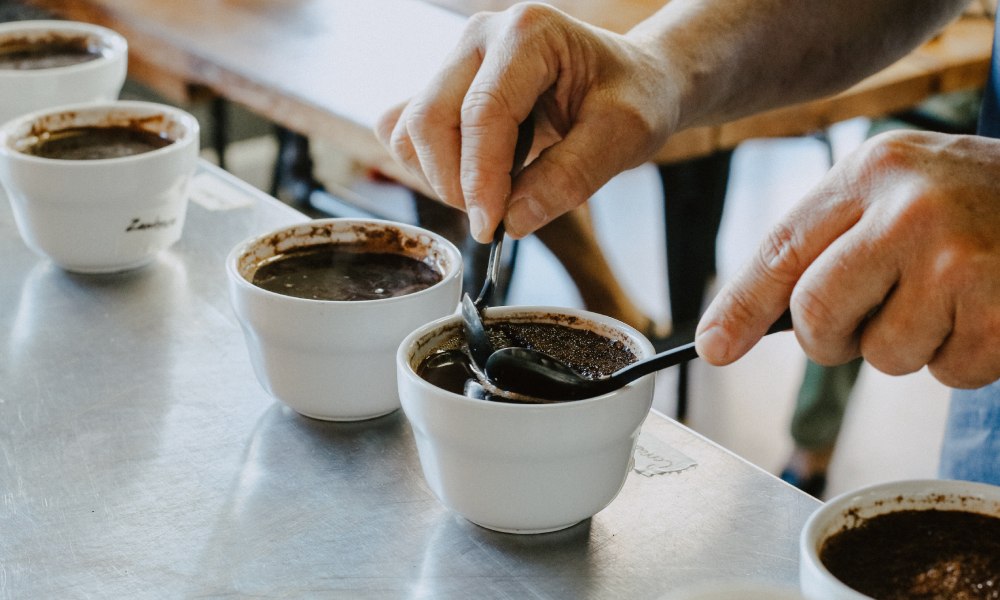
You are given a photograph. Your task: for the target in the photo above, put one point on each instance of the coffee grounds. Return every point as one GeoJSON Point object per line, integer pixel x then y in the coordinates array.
{"type": "Point", "coordinates": [590, 354]}
{"type": "Point", "coordinates": [919, 555]}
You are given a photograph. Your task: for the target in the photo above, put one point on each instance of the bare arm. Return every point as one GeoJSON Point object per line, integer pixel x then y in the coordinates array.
{"type": "Point", "coordinates": [739, 57]}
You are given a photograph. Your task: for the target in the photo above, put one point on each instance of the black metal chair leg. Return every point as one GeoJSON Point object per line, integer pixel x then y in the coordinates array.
{"type": "Point", "coordinates": [220, 129]}
{"type": "Point", "coordinates": [293, 180]}
{"type": "Point", "coordinates": [694, 195]}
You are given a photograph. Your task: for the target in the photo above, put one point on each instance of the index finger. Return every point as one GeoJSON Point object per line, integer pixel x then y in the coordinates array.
{"type": "Point", "coordinates": [512, 77]}
{"type": "Point", "coordinates": [746, 306]}
{"type": "Point", "coordinates": [423, 133]}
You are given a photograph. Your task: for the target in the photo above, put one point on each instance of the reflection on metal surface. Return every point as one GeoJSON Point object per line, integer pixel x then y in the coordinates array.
{"type": "Point", "coordinates": [140, 457]}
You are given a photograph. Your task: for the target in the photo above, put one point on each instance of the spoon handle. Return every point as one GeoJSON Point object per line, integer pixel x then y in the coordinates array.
{"type": "Point", "coordinates": [525, 137]}
{"type": "Point", "coordinates": [480, 347]}
{"type": "Point", "coordinates": [684, 353]}
{"type": "Point", "coordinates": [668, 358]}
{"type": "Point", "coordinates": [492, 268]}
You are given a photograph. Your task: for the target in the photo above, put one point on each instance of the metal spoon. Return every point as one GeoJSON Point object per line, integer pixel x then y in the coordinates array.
{"type": "Point", "coordinates": [534, 373]}
{"type": "Point", "coordinates": [480, 347]}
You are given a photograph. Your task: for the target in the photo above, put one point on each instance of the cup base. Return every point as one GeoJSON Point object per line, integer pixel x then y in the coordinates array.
{"type": "Point", "coordinates": [108, 269]}
{"type": "Point", "coordinates": [526, 531]}
{"type": "Point", "coordinates": [351, 419]}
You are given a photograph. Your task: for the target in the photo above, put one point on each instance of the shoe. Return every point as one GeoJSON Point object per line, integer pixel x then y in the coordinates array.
{"type": "Point", "coordinates": [814, 484]}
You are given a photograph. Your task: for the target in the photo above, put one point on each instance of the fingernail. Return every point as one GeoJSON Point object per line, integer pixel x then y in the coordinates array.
{"type": "Point", "coordinates": [477, 221]}
{"type": "Point", "coordinates": [713, 344]}
{"type": "Point", "coordinates": [524, 216]}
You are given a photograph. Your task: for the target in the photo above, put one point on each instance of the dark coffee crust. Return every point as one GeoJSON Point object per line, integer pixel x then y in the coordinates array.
{"type": "Point", "coordinates": [918, 555]}
{"type": "Point", "coordinates": [24, 53]}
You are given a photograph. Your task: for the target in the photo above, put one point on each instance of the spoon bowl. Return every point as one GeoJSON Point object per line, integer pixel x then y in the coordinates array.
{"type": "Point", "coordinates": [478, 341]}
{"type": "Point", "coordinates": [534, 373]}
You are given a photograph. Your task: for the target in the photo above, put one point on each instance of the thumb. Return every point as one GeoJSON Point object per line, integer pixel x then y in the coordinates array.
{"type": "Point", "coordinates": [746, 306]}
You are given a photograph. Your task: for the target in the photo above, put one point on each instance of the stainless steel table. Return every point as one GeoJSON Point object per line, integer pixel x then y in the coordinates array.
{"type": "Point", "coordinates": [140, 458]}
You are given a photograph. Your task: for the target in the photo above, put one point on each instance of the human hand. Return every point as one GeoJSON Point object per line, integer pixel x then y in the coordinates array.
{"type": "Point", "coordinates": [895, 256]}
{"type": "Point", "coordinates": [601, 102]}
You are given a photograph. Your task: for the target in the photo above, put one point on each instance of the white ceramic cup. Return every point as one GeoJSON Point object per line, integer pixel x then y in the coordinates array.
{"type": "Point", "coordinates": [334, 360]}
{"type": "Point", "coordinates": [98, 80]}
{"type": "Point", "coordinates": [850, 508]}
{"type": "Point", "coordinates": [105, 215]}
{"type": "Point", "coordinates": [523, 468]}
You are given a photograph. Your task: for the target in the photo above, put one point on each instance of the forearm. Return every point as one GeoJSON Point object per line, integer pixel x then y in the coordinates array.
{"type": "Point", "coordinates": [731, 58]}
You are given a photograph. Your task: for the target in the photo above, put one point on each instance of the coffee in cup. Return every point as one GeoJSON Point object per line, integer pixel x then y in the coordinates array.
{"type": "Point", "coordinates": [345, 272]}
{"type": "Point", "coordinates": [910, 539]}
{"type": "Point", "coordinates": [325, 304]}
{"type": "Point", "coordinates": [96, 142]}
{"type": "Point", "coordinates": [525, 467]}
{"type": "Point", "coordinates": [47, 63]}
{"type": "Point", "coordinates": [54, 49]}
{"type": "Point", "coordinates": [449, 365]}
{"type": "Point", "coordinates": [99, 187]}
{"type": "Point", "coordinates": [911, 553]}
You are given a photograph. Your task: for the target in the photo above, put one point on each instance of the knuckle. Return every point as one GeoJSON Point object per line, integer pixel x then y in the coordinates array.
{"type": "Point", "coordinates": [569, 181]}
{"type": "Point", "coordinates": [814, 314]}
{"type": "Point", "coordinates": [478, 22]}
{"type": "Point", "coordinates": [887, 346]}
{"type": "Point", "coordinates": [779, 255]}
{"type": "Point", "coordinates": [820, 331]}
{"type": "Point", "coordinates": [957, 376]}
{"type": "Point", "coordinates": [888, 360]}
{"type": "Point", "coordinates": [483, 106]}
{"type": "Point", "coordinates": [474, 180]}
{"type": "Point", "coordinates": [971, 356]}
{"type": "Point", "coordinates": [741, 306]}
{"type": "Point", "coordinates": [423, 121]}
{"type": "Point", "coordinates": [891, 149]}
{"type": "Point", "coordinates": [385, 126]}
{"type": "Point", "coordinates": [401, 146]}
{"type": "Point", "coordinates": [527, 16]}
{"type": "Point", "coordinates": [959, 265]}
{"type": "Point", "coordinates": [483, 113]}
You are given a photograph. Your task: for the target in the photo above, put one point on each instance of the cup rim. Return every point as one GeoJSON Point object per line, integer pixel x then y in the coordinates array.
{"type": "Point", "coordinates": [633, 335]}
{"type": "Point", "coordinates": [232, 261]}
{"type": "Point", "coordinates": [814, 530]}
{"type": "Point", "coordinates": [114, 41]}
{"type": "Point", "coordinates": [187, 120]}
